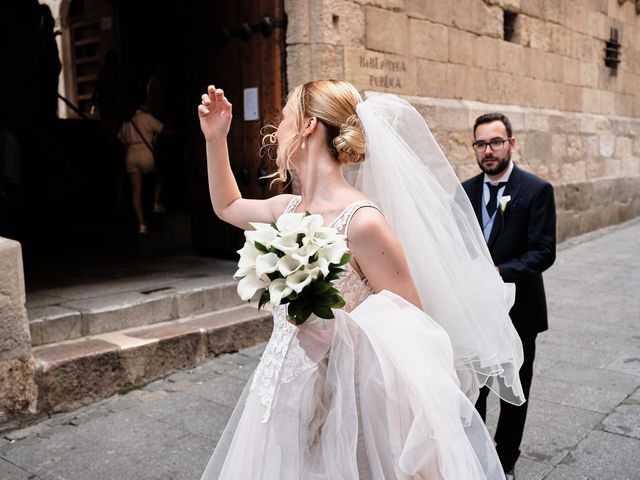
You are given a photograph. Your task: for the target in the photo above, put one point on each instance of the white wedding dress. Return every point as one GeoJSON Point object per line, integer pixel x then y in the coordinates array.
{"type": "Point", "coordinates": [371, 394]}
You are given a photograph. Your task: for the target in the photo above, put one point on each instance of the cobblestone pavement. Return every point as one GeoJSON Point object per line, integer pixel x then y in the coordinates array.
{"type": "Point", "coordinates": [584, 417]}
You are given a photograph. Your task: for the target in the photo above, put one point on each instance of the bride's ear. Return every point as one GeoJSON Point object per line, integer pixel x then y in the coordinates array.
{"type": "Point", "coordinates": [309, 125]}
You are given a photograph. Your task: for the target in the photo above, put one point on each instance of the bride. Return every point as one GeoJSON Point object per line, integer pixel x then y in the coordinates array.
{"type": "Point", "coordinates": [386, 389]}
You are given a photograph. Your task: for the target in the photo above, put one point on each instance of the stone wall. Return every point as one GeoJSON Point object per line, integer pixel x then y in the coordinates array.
{"type": "Point", "coordinates": [576, 123]}
{"type": "Point", "coordinates": [18, 391]}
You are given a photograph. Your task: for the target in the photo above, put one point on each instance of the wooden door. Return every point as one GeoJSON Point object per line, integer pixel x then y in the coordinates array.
{"type": "Point", "coordinates": [241, 51]}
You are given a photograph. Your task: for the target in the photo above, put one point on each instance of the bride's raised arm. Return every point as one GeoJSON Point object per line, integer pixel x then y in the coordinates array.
{"type": "Point", "coordinates": [379, 255]}
{"type": "Point", "coordinates": [215, 120]}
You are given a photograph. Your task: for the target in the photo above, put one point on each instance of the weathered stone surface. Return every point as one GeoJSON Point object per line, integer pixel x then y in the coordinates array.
{"type": "Point", "coordinates": [461, 47]}
{"type": "Point", "coordinates": [432, 79]}
{"type": "Point", "coordinates": [380, 72]}
{"type": "Point", "coordinates": [432, 10]}
{"type": "Point", "coordinates": [53, 324]}
{"type": "Point", "coordinates": [201, 297]}
{"type": "Point", "coordinates": [15, 340]}
{"type": "Point", "coordinates": [18, 390]}
{"type": "Point", "coordinates": [382, 31]}
{"type": "Point", "coordinates": [429, 40]}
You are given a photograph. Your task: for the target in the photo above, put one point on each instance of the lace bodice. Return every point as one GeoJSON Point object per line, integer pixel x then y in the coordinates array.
{"type": "Point", "coordinates": [283, 358]}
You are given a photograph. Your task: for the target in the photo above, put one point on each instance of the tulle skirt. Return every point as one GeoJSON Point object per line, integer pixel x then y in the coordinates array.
{"type": "Point", "coordinates": [375, 397]}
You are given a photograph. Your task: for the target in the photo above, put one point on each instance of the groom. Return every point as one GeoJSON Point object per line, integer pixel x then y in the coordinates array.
{"type": "Point", "coordinates": [516, 211]}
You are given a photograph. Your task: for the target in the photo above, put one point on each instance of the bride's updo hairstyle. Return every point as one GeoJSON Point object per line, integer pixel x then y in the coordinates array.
{"type": "Point", "coordinates": [333, 103]}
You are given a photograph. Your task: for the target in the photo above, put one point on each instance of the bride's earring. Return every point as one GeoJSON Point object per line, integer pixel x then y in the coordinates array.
{"type": "Point", "coordinates": [304, 143]}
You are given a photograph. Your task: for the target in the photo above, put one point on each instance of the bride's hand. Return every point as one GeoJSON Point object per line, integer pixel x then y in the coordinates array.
{"type": "Point", "coordinates": [215, 115]}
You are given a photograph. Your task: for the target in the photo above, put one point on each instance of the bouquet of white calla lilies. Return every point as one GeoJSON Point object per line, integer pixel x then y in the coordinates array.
{"type": "Point", "coordinates": [293, 260]}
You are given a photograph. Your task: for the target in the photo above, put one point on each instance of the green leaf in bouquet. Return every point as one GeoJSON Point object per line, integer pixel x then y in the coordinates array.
{"type": "Point", "coordinates": [323, 312]}
{"type": "Point", "coordinates": [334, 274]}
{"type": "Point", "coordinates": [264, 299]}
{"type": "Point", "coordinates": [314, 258]}
{"type": "Point", "coordinates": [274, 226]}
{"type": "Point", "coordinates": [299, 239]}
{"type": "Point", "coordinates": [260, 247]}
{"type": "Point", "coordinates": [328, 300]}
{"type": "Point", "coordinates": [319, 287]}
{"type": "Point", "coordinates": [346, 258]}
{"type": "Point", "coordinates": [339, 303]}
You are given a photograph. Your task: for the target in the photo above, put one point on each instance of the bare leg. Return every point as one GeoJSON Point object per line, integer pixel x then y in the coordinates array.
{"type": "Point", "coordinates": [157, 193]}
{"type": "Point", "coordinates": [136, 198]}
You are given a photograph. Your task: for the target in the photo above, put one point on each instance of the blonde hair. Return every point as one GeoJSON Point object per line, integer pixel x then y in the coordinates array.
{"type": "Point", "coordinates": [333, 103]}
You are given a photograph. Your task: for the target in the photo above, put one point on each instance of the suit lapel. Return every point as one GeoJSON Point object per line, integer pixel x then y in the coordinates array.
{"type": "Point", "coordinates": [475, 195]}
{"type": "Point", "coordinates": [511, 188]}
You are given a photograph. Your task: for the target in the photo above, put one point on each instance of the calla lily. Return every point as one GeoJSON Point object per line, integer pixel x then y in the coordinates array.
{"type": "Point", "coordinates": [503, 202]}
{"type": "Point", "coordinates": [248, 254]}
{"type": "Point", "coordinates": [266, 263]}
{"type": "Point", "coordinates": [288, 222]}
{"type": "Point", "coordinates": [286, 244]}
{"type": "Point", "coordinates": [298, 280]}
{"type": "Point", "coordinates": [249, 285]}
{"type": "Point", "coordinates": [289, 264]}
{"type": "Point", "coordinates": [317, 267]}
{"type": "Point", "coordinates": [278, 290]}
{"type": "Point", "coordinates": [263, 233]}
{"type": "Point", "coordinates": [333, 252]}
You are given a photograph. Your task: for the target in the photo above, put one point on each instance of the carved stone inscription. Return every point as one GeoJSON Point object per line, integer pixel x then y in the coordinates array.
{"type": "Point", "coordinates": [379, 71]}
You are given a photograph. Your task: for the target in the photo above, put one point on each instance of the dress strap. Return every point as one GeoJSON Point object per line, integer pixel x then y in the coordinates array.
{"type": "Point", "coordinates": [341, 224]}
{"type": "Point", "coordinates": [293, 203]}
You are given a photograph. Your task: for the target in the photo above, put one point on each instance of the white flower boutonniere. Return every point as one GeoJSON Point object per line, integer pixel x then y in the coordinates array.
{"type": "Point", "coordinates": [503, 203]}
{"type": "Point", "coordinates": [504, 200]}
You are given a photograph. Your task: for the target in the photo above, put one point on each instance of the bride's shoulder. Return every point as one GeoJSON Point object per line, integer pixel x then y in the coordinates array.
{"type": "Point", "coordinates": [366, 222]}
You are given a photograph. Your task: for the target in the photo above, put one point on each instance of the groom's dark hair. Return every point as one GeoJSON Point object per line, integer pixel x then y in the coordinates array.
{"type": "Point", "coordinates": [493, 117]}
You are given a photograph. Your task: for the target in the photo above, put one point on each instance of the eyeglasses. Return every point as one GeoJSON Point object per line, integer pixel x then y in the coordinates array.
{"type": "Point", "coordinates": [495, 144]}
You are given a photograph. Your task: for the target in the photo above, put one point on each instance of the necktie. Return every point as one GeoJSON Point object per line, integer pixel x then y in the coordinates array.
{"type": "Point", "coordinates": [492, 204]}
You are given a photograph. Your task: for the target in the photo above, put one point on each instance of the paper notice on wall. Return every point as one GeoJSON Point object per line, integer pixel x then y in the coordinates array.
{"type": "Point", "coordinates": [251, 111]}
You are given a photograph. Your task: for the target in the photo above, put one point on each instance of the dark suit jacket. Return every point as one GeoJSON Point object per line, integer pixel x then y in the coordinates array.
{"type": "Point", "coordinates": [522, 243]}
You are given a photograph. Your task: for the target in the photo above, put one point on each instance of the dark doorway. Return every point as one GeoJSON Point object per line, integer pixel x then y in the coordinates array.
{"type": "Point", "coordinates": [76, 204]}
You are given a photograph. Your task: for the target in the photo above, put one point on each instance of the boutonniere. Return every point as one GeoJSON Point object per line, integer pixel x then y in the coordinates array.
{"type": "Point", "coordinates": [504, 200]}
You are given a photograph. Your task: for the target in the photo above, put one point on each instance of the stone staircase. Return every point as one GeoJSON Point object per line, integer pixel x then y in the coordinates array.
{"type": "Point", "coordinates": [98, 339]}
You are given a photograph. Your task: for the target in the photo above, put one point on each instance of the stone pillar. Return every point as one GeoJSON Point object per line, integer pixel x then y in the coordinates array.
{"type": "Point", "coordinates": [18, 390]}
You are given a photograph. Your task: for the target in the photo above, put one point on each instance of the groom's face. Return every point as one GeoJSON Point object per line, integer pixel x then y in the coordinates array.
{"type": "Point", "coordinates": [493, 161]}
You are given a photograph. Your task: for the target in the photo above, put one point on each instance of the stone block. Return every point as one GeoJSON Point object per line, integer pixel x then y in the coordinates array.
{"type": "Point", "coordinates": [15, 340]}
{"type": "Point", "coordinates": [429, 40]}
{"type": "Point", "coordinates": [382, 31]}
{"type": "Point", "coordinates": [536, 122]}
{"type": "Point", "coordinates": [591, 100]}
{"type": "Point", "coordinates": [540, 34]}
{"type": "Point", "coordinates": [588, 74]}
{"type": "Point", "coordinates": [327, 61]}
{"type": "Point", "coordinates": [298, 30]}
{"type": "Point", "coordinates": [623, 147]}
{"type": "Point", "coordinates": [485, 52]}
{"type": "Point", "coordinates": [560, 39]}
{"type": "Point", "coordinates": [376, 71]}
{"type": "Point", "coordinates": [298, 64]}
{"type": "Point", "coordinates": [559, 146]}
{"type": "Point", "coordinates": [54, 324]}
{"type": "Point", "coordinates": [534, 8]}
{"type": "Point", "coordinates": [534, 63]}
{"type": "Point", "coordinates": [574, 146]}
{"type": "Point", "coordinates": [553, 68]}
{"type": "Point", "coordinates": [571, 71]}
{"type": "Point", "coordinates": [607, 102]}
{"type": "Point", "coordinates": [468, 82]}
{"type": "Point", "coordinates": [202, 297]}
{"type": "Point", "coordinates": [538, 147]}
{"type": "Point", "coordinates": [432, 79]}
{"type": "Point", "coordinates": [598, 25]}
{"type": "Point", "coordinates": [18, 389]}
{"type": "Point", "coordinates": [466, 21]}
{"type": "Point", "coordinates": [573, 98]}
{"type": "Point", "coordinates": [433, 10]}
{"type": "Point", "coordinates": [337, 22]}
{"type": "Point", "coordinates": [636, 146]}
{"type": "Point", "coordinates": [607, 145]}
{"type": "Point", "coordinates": [575, 17]}
{"type": "Point", "coordinates": [511, 58]}
{"type": "Point", "coordinates": [123, 310]}
{"type": "Point", "coordinates": [488, 20]}
{"type": "Point", "coordinates": [461, 47]}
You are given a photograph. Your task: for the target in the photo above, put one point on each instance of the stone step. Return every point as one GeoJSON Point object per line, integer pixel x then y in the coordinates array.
{"type": "Point", "coordinates": [74, 373]}
{"type": "Point", "coordinates": [114, 311]}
